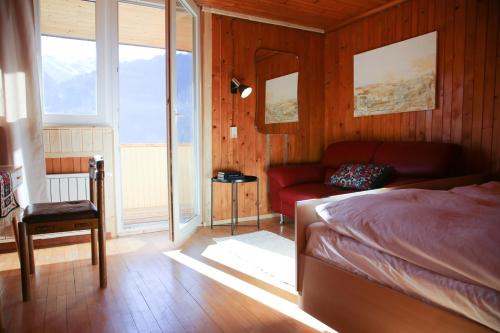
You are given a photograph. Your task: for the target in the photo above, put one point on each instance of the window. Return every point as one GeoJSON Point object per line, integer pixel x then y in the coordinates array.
{"type": "Point", "coordinates": [69, 58]}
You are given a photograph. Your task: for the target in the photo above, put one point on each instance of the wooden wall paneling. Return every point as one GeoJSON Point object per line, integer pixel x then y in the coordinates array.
{"type": "Point", "coordinates": [458, 71]}
{"type": "Point", "coordinates": [496, 116]}
{"type": "Point", "coordinates": [468, 95]}
{"type": "Point", "coordinates": [448, 71]}
{"type": "Point", "coordinates": [479, 74]}
{"type": "Point", "coordinates": [49, 166]}
{"type": "Point", "coordinates": [65, 137]}
{"type": "Point", "coordinates": [55, 141]}
{"type": "Point", "coordinates": [422, 28]}
{"type": "Point", "coordinates": [76, 139]}
{"type": "Point", "coordinates": [489, 88]}
{"type": "Point", "coordinates": [331, 83]}
{"type": "Point", "coordinates": [87, 139]}
{"type": "Point", "coordinates": [67, 165]}
{"type": "Point", "coordinates": [46, 141]}
{"type": "Point", "coordinates": [233, 54]}
{"type": "Point", "coordinates": [56, 166]}
{"type": "Point", "coordinates": [467, 76]}
{"type": "Point", "coordinates": [437, 113]}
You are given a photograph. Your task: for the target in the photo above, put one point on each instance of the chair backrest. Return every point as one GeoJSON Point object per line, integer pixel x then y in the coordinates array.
{"type": "Point", "coordinates": [96, 182]}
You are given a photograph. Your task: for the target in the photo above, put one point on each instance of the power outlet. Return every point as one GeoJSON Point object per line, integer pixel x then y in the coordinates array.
{"type": "Point", "coordinates": [233, 132]}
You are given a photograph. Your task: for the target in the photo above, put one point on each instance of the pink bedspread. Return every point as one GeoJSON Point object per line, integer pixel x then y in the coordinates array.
{"type": "Point", "coordinates": [454, 233]}
{"type": "Point", "coordinates": [473, 301]}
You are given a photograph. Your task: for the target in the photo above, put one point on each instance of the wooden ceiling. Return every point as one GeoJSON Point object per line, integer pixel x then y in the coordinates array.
{"type": "Point", "coordinates": [320, 14]}
{"type": "Point", "coordinates": [138, 25]}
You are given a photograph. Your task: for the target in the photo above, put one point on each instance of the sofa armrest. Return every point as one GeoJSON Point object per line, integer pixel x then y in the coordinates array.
{"type": "Point", "coordinates": [295, 174]}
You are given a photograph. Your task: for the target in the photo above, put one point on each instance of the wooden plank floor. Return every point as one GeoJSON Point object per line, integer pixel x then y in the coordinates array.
{"type": "Point", "coordinates": [148, 291]}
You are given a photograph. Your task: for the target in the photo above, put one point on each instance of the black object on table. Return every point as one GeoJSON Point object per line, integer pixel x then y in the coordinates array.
{"type": "Point", "coordinates": [234, 203]}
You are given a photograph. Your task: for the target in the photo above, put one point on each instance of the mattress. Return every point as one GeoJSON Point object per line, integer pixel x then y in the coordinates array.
{"type": "Point", "coordinates": [471, 300]}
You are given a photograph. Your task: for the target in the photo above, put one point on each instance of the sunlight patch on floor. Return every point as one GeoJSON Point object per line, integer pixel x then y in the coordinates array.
{"type": "Point", "coordinates": [71, 253]}
{"type": "Point", "coordinates": [277, 303]}
{"type": "Point", "coordinates": [218, 254]}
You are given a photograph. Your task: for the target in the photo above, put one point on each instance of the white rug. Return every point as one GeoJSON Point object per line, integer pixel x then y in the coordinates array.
{"type": "Point", "coordinates": [263, 254]}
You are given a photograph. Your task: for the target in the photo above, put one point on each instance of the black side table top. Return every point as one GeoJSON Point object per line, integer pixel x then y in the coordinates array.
{"type": "Point", "coordinates": [245, 179]}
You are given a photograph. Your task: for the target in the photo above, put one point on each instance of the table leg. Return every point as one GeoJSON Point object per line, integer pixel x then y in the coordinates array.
{"type": "Point", "coordinates": [236, 203]}
{"type": "Point", "coordinates": [232, 208]}
{"type": "Point", "coordinates": [258, 204]}
{"type": "Point", "coordinates": [211, 204]}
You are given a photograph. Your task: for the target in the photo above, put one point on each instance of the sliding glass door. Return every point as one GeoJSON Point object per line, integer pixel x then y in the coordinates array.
{"type": "Point", "coordinates": [185, 115]}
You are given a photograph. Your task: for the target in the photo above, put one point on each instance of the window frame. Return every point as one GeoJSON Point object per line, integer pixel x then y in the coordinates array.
{"type": "Point", "coordinates": [104, 112]}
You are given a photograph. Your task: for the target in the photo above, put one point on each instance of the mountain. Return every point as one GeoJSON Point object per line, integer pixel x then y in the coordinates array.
{"type": "Point", "coordinates": [72, 90]}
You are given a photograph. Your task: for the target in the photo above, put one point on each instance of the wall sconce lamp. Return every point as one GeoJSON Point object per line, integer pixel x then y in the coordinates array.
{"type": "Point", "coordinates": [244, 90]}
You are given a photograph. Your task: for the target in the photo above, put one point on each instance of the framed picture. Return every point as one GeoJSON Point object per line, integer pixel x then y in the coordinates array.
{"type": "Point", "coordinates": [400, 77]}
{"type": "Point", "coordinates": [281, 99]}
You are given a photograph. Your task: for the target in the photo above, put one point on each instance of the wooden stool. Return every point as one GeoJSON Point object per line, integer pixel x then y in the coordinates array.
{"type": "Point", "coordinates": [45, 218]}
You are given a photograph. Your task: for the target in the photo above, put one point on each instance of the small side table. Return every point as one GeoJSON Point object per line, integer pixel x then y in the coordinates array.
{"type": "Point", "coordinates": [234, 203]}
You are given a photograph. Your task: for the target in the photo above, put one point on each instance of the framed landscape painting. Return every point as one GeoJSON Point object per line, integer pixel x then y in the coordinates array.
{"type": "Point", "coordinates": [400, 77]}
{"type": "Point", "coordinates": [281, 99]}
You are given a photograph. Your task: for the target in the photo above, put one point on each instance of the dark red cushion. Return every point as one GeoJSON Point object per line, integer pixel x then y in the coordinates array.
{"type": "Point", "coordinates": [418, 159]}
{"type": "Point", "coordinates": [348, 152]}
{"type": "Point", "coordinates": [295, 193]}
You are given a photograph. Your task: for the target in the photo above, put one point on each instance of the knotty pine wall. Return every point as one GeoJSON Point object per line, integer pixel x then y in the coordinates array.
{"type": "Point", "coordinates": [234, 43]}
{"type": "Point", "coordinates": [468, 82]}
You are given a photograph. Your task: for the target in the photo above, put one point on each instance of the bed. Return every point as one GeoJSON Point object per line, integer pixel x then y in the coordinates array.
{"type": "Point", "coordinates": [352, 283]}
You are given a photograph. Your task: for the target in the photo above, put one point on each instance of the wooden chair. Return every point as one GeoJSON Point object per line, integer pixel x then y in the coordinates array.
{"type": "Point", "coordinates": [56, 217]}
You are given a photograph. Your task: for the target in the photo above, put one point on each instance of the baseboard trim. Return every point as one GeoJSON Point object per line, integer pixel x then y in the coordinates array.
{"type": "Point", "coordinates": [244, 219]}
{"type": "Point", "coordinates": [43, 243]}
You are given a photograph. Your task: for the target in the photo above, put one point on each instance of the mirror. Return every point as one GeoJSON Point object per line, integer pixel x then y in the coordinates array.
{"type": "Point", "coordinates": [277, 89]}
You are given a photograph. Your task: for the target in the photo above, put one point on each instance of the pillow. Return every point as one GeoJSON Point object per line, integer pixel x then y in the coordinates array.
{"type": "Point", "coordinates": [361, 176]}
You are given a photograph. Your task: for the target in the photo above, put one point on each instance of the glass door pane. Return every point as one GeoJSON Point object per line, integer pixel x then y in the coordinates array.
{"type": "Point", "coordinates": [142, 114]}
{"type": "Point", "coordinates": [185, 113]}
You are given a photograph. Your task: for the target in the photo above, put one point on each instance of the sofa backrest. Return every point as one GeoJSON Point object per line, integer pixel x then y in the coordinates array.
{"type": "Point", "coordinates": [413, 159]}
{"type": "Point", "coordinates": [348, 152]}
{"type": "Point", "coordinates": [420, 159]}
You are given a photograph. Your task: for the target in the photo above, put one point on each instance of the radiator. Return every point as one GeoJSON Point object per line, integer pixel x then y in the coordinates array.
{"type": "Point", "coordinates": [68, 187]}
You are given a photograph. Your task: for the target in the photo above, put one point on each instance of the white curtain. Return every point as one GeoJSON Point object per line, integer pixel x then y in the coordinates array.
{"type": "Point", "coordinates": [21, 138]}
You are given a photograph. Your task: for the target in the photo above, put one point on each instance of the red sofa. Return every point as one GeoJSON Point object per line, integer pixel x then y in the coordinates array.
{"type": "Point", "coordinates": [412, 162]}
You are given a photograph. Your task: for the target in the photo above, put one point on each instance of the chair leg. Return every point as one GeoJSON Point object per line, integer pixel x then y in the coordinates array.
{"type": "Point", "coordinates": [93, 245]}
{"type": "Point", "coordinates": [23, 253]}
{"type": "Point", "coordinates": [31, 254]}
{"type": "Point", "coordinates": [103, 280]}
{"type": "Point", "coordinates": [15, 230]}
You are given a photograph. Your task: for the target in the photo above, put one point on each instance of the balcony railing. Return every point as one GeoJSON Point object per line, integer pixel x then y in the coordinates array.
{"type": "Point", "coordinates": [144, 182]}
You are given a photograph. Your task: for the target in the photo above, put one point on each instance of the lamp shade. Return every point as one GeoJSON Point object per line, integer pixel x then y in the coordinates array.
{"type": "Point", "coordinates": [243, 89]}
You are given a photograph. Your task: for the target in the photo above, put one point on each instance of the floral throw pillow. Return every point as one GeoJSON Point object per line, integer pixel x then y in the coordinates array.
{"type": "Point", "coordinates": [361, 176]}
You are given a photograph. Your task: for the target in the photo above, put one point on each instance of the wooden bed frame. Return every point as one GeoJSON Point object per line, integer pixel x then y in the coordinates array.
{"type": "Point", "coordinates": [350, 303]}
